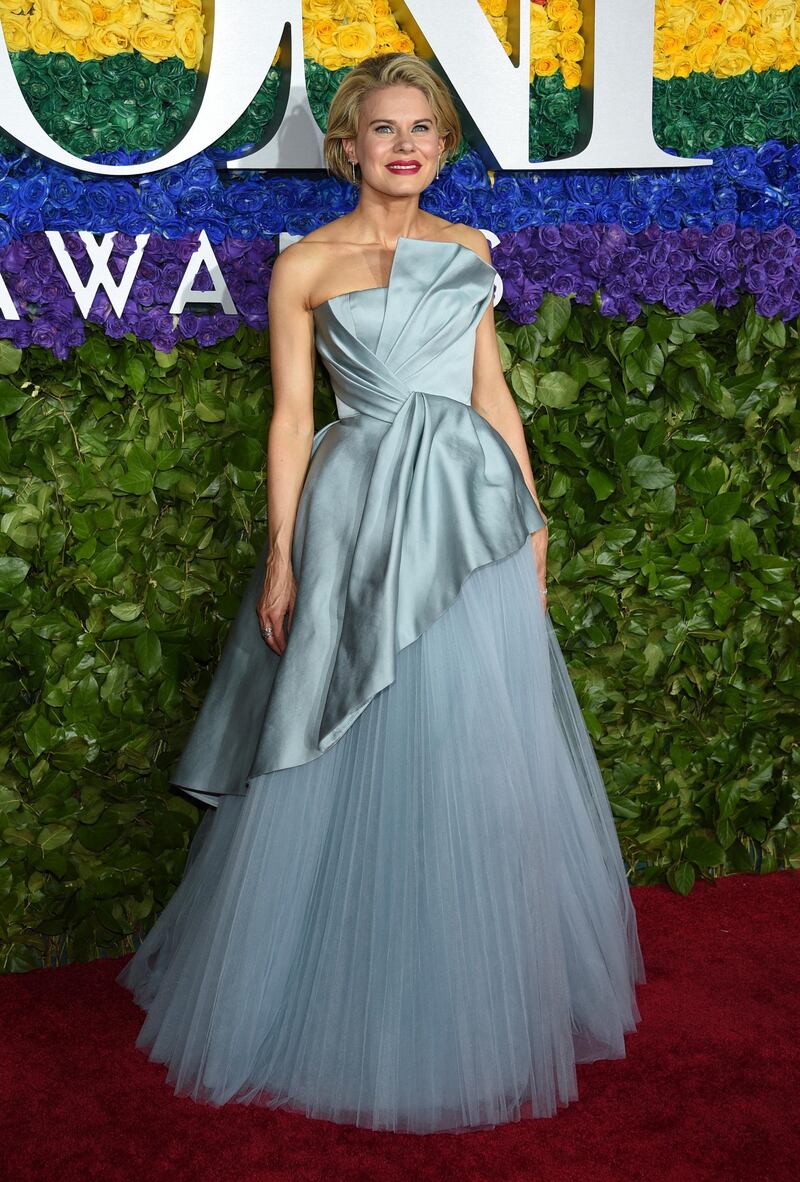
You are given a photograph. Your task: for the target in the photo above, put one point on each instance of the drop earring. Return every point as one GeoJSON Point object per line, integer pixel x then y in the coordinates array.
{"type": "Point", "coordinates": [353, 169]}
{"type": "Point", "coordinates": [438, 158]}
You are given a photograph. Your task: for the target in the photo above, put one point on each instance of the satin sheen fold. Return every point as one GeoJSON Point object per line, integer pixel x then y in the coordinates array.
{"type": "Point", "coordinates": [402, 499]}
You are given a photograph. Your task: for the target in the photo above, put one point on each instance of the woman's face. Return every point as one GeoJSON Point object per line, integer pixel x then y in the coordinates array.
{"type": "Point", "coordinates": [396, 126]}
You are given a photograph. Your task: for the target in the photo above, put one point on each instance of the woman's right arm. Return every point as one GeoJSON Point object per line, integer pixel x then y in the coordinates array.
{"type": "Point", "coordinates": [291, 431]}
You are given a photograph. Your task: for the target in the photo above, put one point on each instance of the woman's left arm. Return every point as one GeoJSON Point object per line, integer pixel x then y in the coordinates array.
{"type": "Point", "coordinates": [491, 396]}
{"type": "Point", "coordinates": [492, 399]}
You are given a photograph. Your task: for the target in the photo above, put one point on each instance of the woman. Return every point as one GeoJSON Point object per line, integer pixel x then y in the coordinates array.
{"type": "Point", "coordinates": [408, 909]}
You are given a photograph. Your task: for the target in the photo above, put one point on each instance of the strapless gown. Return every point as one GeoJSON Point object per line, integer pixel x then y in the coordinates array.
{"type": "Point", "coordinates": [407, 907]}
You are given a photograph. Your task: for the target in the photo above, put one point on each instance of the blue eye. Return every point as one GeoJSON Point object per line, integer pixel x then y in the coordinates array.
{"type": "Point", "coordinates": [424, 126]}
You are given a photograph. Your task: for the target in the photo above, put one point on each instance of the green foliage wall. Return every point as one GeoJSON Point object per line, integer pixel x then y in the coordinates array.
{"type": "Point", "coordinates": [133, 509]}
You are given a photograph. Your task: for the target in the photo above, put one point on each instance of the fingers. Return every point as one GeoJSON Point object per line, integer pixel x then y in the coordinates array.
{"type": "Point", "coordinates": [277, 640]}
{"type": "Point", "coordinates": [272, 631]}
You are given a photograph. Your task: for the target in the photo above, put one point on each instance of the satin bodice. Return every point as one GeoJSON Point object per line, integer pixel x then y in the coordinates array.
{"type": "Point", "coordinates": [417, 334]}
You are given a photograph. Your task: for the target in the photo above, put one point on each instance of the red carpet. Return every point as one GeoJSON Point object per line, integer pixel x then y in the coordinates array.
{"type": "Point", "coordinates": [708, 1092]}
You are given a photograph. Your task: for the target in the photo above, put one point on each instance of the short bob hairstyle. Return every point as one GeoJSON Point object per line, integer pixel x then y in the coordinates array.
{"type": "Point", "coordinates": [374, 73]}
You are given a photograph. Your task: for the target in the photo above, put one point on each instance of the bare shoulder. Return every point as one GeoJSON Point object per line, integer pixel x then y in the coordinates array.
{"type": "Point", "coordinates": [470, 237]}
{"type": "Point", "coordinates": [293, 272]}
{"type": "Point", "coordinates": [299, 267]}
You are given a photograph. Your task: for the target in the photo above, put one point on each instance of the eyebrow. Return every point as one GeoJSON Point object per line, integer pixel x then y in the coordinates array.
{"type": "Point", "coordinates": [422, 119]}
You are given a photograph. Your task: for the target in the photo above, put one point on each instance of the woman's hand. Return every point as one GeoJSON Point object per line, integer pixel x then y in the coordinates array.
{"type": "Point", "coordinates": [277, 600]}
{"type": "Point", "coordinates": [539, 544]}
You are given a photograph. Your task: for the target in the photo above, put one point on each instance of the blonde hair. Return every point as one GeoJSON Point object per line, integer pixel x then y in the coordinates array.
{"type": "Point", "coordinates": [373, 73]}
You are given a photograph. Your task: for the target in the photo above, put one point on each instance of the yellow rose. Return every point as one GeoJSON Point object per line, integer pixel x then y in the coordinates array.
{"type": "Point", "coordinates": [496, 8]}
{"type": "Point", "coordinates": [15, 31]}
{"type": "Point", "coordinates": [325, 28]}
{"type": "Point", "coordinates": [556, 9]}
{"type": "Point", "coordinates": [734, 14]}
{"type": "Point", "coordinates": [706, 11]}
{"type": "Point", "coordinates": [570, 47]}
{"type": "Point", "coordinates": [44, 37]}
{"type": "Point", "coordinates": [715, 31]}
{"type": "Point", "coordinates": [571, 22]}
{"type": "Point", "coordinates": [72, 17]}
{"type": "Point", "coordinates": [666, 44]}
{"type": "Point", "coordinates": [738, 40]}
{"type": "Point", "coordinates": [386, 28]}
{"type": "Point", "coordinates": [381, 8]}
{"type": "Point", "coordinates": [190, 37]}
{"type": "Point", "coordinates": [181, 5]}
{"type": "Point", "coordinates": [729, 62]}
{"type": "Point", "coordinates": [355, 41]}
{"type": "Point", "coordinates": [756, 5]}
{"type": "Point", "coordinates": [545, 43]}
{"type": "Point", "coordinates": [15, 7]}
{"type": "Point", "coordinates": [331, 59]}
{"type": "Point", "coordinates": [500, 26]}
{"type": "Point", "coordinates": [344, 11]}
{"type": "Point", "coordinates": [82, 51]}
{"type": "Point", "coordinates": [692, 34]}
{"type": "Point", "coordinates": [682, 66]}
{"type": "Point", "coordinates": [704, 55]}
{"type": "Point", "coordinates": [102, 15]}
{"type": "Point", "coordinates": [402, 43]}
{"type": "Point", "coordinates": [544, 66]}
{"type": "Point", "coordinates": [130, 13]}
{"type": "Point", "coordinates": [317, 9]}
{"type": "Point", "coordinates": [158, 10]}
{"type": "Point", "coordinates": [154, 41]}
{"type": "Point", "coordinates": [679, 18]}
{"type": "Point", "coordinates": [109, 40]}
{"type": "Point", "coordinates": [763, 50]}
{"type": "Point", "coordinates": [778, 15]}
{"type": "Point", "coordinates": [663, 70]}
{"type": "Point", "coordinates": [572, 74]}
{"type": "Point", "coordinates": [538, 17]}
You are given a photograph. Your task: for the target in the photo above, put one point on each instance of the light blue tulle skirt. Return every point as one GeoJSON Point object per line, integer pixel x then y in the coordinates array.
{"type": "Point", "coordinates": [426, 927]}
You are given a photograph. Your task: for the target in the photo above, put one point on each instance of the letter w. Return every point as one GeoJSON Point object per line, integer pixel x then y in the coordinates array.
{"type": "Point", "coordinates": [99, 254]}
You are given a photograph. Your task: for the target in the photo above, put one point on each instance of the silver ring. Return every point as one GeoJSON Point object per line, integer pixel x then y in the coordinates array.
{"type": "Point", "coordinates": [266, 631]}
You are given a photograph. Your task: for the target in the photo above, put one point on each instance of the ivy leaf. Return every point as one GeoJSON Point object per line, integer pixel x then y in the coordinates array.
{"type": "Point", "coordinates": [681, 877]}
{"type": "Point", "coordinates": [135, 374]}
{"type": "Point", "coordinates": [704, 850]}
{"type": "Point", "coordinates": [11, 399]}
{"type": "Point", "coordinates": [702, 319]}
{"type": "Point", "coordinates": [649, 472]}
{"type": "Point", "coordinates": [165, 360]}
{"type": "Point", "coordinates": [211, 410]}
{"type": "Point", "coordinates": [557, 389]}
{"type": "Point", "coordinates": [126, 611]}
{"type": "Point", "coordinates": [744, 543]}
{"type": "Point", "coordinates": [723, 507]}
{"type": "Point", "coordinates": [12, 572]}
{"type": "Point", "coordinates": [10, 357]}
{"type": "Point", "coordinates": [147, 648]}
{"type": "Point", "coordinates": [601, 483]}
{"type": "Point", "coordinates": [553, 315]}
{"type": "Point", "coordinates": [52, 836]}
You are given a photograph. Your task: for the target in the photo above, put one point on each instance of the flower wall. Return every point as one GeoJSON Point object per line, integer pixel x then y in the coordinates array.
{"type": "Point", "coordinates": [648, 330]}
